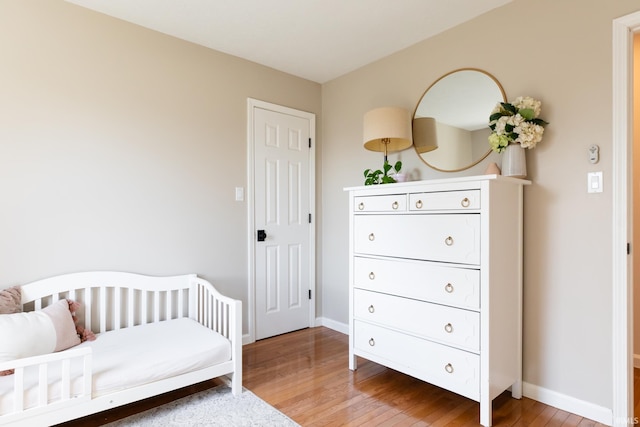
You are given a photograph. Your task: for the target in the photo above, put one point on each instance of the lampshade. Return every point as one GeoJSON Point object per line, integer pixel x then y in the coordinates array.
{"type": "Point", "coordinates": [425, 136]}
{"type": "Point", "coordinates": [387, 129]}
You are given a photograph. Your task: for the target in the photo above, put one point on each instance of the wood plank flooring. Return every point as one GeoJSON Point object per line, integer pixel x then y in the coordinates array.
{"type": "Point", "coordinates": [305, 375]}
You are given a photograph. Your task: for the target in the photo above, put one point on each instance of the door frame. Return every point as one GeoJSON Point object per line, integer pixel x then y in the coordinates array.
{"type": "Point", "coordinates": [251, 240]}
{"type": "Point", "coordinates": [622, 334]}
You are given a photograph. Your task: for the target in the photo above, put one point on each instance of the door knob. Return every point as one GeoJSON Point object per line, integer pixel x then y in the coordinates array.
{"type": "Point", "coordinates": [262, 235]}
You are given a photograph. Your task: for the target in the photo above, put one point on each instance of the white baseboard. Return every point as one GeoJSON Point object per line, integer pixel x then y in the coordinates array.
{"type": "Point", "coordinates": [320, 321]}
{"type": "Point", "coordinates": [246, 339]}
{"type": "Point", "coordinates": [567, 403]}
{"type": "Point", "coordinates": [332, 324]}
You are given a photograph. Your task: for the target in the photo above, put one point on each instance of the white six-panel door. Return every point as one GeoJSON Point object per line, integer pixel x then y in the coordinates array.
{"type": "Point", "coordinates": [282, 213]}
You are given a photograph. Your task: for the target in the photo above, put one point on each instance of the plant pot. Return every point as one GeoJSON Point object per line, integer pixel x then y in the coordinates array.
{"type": "Point", "coordinates": [400, 177]}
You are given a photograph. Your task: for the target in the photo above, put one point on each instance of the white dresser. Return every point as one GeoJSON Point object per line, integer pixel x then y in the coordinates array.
{"type": "Point", "coordinates": [435, 282]}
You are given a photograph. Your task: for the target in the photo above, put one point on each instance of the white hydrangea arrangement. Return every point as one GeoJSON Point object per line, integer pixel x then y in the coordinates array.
{"type": "Point", "coordinates": [516, 122]}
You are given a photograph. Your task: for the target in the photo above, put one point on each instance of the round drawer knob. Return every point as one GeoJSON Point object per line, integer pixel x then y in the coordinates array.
{"type": "Point", "coordinates": [448, 288]}
{"type": "Point", "coordinates": [448, 241]}
{"type": "Point", "coordinates": [361, 206]}
{"type": "Point", "coordinates": [419, 204]}
{"type": "Point", "coordinates": [372, 237]}
{"type": "Point", "coordinates": [449, 368]}
{"type": "Point", "coordinates": [394, 205]}
{"type": "Point", "coordinates": [448, 328]}
{"type": "Point", "coordinates": [372, 342]}
{"type": "Point", "coordinates": [371, 309]}
{"type": "Point", "coordinates": [372, 276]}
{"type": "Point", "coordinates": [465, 203]}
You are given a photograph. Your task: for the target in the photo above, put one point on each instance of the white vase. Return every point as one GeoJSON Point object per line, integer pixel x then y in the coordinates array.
{"type": "Point", "coordinates": [514, 161]}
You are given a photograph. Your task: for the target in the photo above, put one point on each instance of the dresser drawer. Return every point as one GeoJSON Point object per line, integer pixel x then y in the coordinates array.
{"type": "Point", "coordinates": [437, 237]}
{"type": "Point", "coordinates": [387, 203]}
{"type": "Point", "coordinates": [452, 326]}
{"type": "Point", "coordinates": [445, 200]}
{"type": "Point", "coordinates": [454, 286]}
{"type": "Point", "coordinates": [453, 369]}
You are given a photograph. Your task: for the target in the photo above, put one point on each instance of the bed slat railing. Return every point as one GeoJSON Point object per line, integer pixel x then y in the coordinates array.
{"type": "Point", "coordinates": [156, 306]}
{"type": "Point", "coordinates": [214, 310]}
{"type": "Point", "coordinates": [112, 307]}
{"type": "Point", "coordinates": [222, 314]}
{"type": "Point", "coordinates": [53, 370]}
{"type": "Point", "coordinates": [88, 309]}
{"type": "Point", "coordinates": [117, 307]}
{"type": "Point", "coordinates": [181, 301]}
{"type": "Point", "coordinates": [66, 379]}
{"type": "Point", "coordinates": [113, 300]}
{"type": "Point", "coordinates": [18, 389]}
{"type": "Point", "coordinates": [43, 392]}
{"type": "Point", "coordinates": [103, 309]}
{"type": "Point", "coordinates": [117, 314]}
{"type": "Point", "coordinates": [130, 307]}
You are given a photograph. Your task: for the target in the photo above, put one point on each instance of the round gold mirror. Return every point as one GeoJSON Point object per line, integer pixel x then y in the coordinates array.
{"type": "Point", "coordinates": [451, 120]}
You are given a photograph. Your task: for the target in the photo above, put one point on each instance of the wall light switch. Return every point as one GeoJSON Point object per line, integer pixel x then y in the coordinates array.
{"type": "Point", "coordinates": [594, 182]}
{"type": "Point", "coordinates": [239, 194]}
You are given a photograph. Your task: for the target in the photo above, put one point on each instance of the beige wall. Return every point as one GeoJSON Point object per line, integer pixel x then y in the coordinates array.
{"type": "Point", "coordinates": [120, 147]}
{"type": "Point", "coordinates": [561, 53]}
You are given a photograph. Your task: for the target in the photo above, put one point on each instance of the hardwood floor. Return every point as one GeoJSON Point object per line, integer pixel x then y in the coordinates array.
{"type": "Point", "coordinates": [305, 375]}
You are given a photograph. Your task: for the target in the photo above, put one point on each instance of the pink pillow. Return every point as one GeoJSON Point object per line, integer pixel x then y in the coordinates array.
{"type": "Point", "coordinates": [65, 327]}
{"type": "Point", "coordinates": [11, 300]}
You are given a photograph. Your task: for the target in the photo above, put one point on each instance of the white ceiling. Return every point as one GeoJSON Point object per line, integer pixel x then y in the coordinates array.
{"type": "Point", "coordinates": [314, 39]}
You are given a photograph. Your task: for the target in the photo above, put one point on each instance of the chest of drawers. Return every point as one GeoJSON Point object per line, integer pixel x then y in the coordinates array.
{"type": "Point", "coordinates": [435, 283]}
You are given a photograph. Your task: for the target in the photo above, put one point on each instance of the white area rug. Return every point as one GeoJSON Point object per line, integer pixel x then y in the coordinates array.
{"type": "Point", "coordinates": [215, 407]}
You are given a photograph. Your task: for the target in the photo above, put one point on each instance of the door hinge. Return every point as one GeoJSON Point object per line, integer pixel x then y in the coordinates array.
{"type": "Point", "coordinates": [309, 218]}
{"type": "Point", "coordinates": [628, 248]}
{"type": "Point", "coordinates": [309, 293]}
{"type": "Point", "coordinates": [309, 142]}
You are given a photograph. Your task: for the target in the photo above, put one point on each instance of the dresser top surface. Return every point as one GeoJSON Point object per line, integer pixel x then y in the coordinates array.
{"type": "Point", "coordinates": [407, 186]}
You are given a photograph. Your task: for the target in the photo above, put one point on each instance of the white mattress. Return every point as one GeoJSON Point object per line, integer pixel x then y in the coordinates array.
{"type": "Point", "coordinates": [133, 356]}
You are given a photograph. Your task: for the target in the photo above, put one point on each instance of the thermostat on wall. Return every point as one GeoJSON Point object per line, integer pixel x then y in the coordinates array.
{"type": "Point", "coordinates": [594, 153]}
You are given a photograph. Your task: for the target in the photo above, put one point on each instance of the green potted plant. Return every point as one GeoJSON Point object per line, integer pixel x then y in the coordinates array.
{"type": "Point", "coordinates": [374, 177]}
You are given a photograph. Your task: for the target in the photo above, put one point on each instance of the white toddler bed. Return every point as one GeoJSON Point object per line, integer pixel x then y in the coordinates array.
{"type": "Point", "coordinates": [153, 335]}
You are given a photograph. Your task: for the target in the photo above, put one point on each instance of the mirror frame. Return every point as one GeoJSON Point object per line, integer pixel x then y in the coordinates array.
{"type": "Point", "coordinates": [484, 156]}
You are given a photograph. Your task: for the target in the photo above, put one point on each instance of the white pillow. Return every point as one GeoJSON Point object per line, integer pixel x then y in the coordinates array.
{"type": "Point", "coordinates": [37, 332]}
